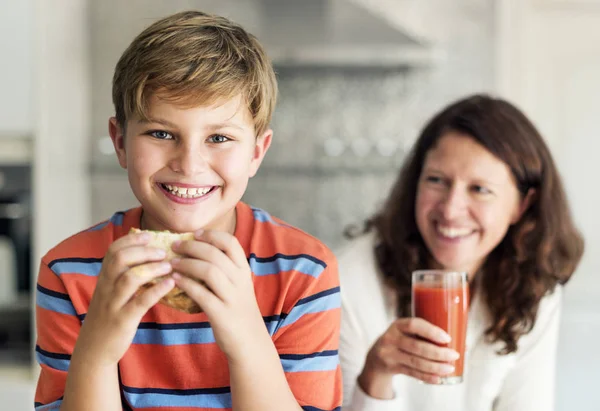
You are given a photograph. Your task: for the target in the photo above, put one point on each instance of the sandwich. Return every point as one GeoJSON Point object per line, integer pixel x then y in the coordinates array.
{"type": "Point", "coordinates": [175, 298]}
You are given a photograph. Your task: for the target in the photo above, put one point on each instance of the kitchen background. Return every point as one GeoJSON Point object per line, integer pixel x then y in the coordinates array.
{"type": "Point", "coordinates": [357, 78]}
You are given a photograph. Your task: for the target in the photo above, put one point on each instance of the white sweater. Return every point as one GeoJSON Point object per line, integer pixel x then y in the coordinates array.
{"type": "Point", "coordinates": [521, 381]}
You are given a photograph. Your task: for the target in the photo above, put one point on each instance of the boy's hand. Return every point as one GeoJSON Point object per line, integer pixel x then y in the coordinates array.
{"type": "Point", "coordinates": [115, 310]}
{"type": "Point", "coordinates": [228, 298]}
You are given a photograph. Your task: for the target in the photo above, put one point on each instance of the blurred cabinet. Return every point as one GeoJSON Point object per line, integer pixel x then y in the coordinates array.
{"type": "Point", "coordinates": [16, 70]}
{"type": "Point", "coordinates": [549, 63]}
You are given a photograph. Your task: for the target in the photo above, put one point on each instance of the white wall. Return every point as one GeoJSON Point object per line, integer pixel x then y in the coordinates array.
{"type": "Point", "coordinates": [549, 60]}
{"type": "Point", "coordinates": [57, 114]}
{"type": "Point", "coordinates": [62, 112]}
{"type": "Point", "coordinates": [16, 41]}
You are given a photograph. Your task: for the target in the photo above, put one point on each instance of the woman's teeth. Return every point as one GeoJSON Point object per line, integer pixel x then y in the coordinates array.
{"type": "Point", "coordinates": [453, 232]}
{"type": "Point", "coordinates": [187, 192]}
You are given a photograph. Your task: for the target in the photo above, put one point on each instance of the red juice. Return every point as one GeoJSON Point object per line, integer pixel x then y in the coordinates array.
{"type": "Point", "coordinates": [448, 309]}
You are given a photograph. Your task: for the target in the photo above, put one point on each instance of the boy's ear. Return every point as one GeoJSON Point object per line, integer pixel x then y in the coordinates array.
{"type": "Point", "coordinates": [118, 138]}
{"type": "Point", "coordinates": [263, 142]}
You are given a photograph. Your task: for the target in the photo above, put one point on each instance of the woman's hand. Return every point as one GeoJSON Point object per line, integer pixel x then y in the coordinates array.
{"type": "Point", "coordinates": [226, 291]}
{"type": "Point", "coordinates": [410, 346]}
{"type": "Point", "coordinates": [117, 308]}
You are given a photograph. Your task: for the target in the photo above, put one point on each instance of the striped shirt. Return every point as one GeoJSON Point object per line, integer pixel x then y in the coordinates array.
{"type": "Point", "coordinates": [174, 362]}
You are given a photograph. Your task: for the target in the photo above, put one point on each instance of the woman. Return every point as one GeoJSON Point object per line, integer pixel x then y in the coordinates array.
{"type": "Point", "coordinates": [479, 193]}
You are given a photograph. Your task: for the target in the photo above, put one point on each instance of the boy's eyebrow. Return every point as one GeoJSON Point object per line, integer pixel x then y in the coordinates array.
{"type": "Point", "coordinates": [157, 120]}
{"type": "Point", "coordinates": [225, 125]}
{"type": "Point", "coordinates": [173, 125]}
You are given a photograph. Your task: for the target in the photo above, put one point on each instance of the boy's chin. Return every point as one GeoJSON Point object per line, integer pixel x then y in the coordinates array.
{"type": "Point", "coordinates": [167, 222]}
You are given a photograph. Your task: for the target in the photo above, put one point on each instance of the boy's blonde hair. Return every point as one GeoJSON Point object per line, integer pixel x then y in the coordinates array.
{"type": "Point", "coordinates": [194, 59]}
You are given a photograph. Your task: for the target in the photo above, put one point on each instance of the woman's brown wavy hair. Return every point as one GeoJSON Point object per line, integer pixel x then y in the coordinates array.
{"type": "Point", "coordinates": [538, 252]}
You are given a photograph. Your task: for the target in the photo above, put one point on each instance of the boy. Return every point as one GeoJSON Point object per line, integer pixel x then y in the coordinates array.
{"type": "Point", "coordinates": [193, 96]}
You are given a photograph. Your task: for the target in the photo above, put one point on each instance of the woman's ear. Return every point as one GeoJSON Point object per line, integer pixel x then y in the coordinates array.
{"type": "Point", "coordinates": [524, 205]}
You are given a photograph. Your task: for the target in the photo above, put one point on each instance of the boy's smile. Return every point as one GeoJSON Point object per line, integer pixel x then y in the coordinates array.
{"type": "Point", "coordinates": [186, 193]}
{"type": "Point", "coordinates": [189, 167]}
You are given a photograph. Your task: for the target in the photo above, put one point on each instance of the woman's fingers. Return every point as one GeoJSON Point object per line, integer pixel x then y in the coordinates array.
{"type": "Point", "coordinates": [422, 328]}
{"type": "Point", "coordinates": [423, 365]}
{"type": "Point", "coordinates": [419, 375]}
{"type": "Point", "coordinates": [425, 349]}
{"type": "Point", "coordinates": [407, 348]}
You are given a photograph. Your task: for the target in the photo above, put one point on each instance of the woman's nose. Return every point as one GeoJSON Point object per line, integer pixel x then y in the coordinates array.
{"type": "Point", "coordinates": [454, 204]}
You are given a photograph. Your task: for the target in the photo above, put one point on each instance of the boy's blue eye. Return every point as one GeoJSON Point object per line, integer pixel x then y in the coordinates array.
{"type": "Point", "coordinates": [161, 135]}
{"type": "Point", "coordinates": [218, 138]}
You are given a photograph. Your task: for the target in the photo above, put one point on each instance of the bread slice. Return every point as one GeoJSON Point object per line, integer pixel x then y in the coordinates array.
{"type": "Point", "coordinates": [175, 298]}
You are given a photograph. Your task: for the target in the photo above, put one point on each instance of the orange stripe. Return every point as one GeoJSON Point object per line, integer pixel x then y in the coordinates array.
{"type": "Point", "coordinates": [57, 332]}
{"type": "Point", "coordinates": [51, 385]}
{"type": "Point", "coordinates": [190, 366]}
{"type": "Point", "coordinates": [322, 389]}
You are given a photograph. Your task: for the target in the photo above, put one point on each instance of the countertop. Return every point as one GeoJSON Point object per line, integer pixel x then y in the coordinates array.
{"type": "Point", "coordinates": [15, 149]}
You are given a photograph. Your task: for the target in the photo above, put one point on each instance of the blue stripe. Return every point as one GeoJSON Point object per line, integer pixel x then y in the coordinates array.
{"type": "Point", "coordinates": [116, 219]}
{"type": "Point", "coordinates": [99, 226]}
{"type": "Point", "coordinates": [53, 406]}
{"type": "Point", "coordinates": [263, 216]}
{"type": "Point", "coordinates": [85, 266]}
{"type": "Point", "coordinates": [328, 301]}
{"type": "Point", "coordinates": [321, 361]}
{"type": "Point", "coordinates": [302, 263]}
{"type": "Point", "coordinates": [186, 333]}
{"type": "Point", "coordinates": [271, 323]}
{"type": "Point", "coordinates": [318, 295]}
{"type": "Point", "coordinates": [57, 361]}
{"type": "Point", "coordinates": [174, 336]}
{"type": "Point", "coordinates": [199, 398]}
{"type": "Point", "coordinates": [202, 333]}
{"type": "Point", "coordinates": [53, 301]}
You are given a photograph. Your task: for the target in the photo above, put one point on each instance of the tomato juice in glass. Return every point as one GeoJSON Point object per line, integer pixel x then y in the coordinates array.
{"type": "Point", "coordinates": [442, 298]}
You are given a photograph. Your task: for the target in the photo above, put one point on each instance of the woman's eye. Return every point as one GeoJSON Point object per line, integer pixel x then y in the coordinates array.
{"type": "Point", "coordinates": [434, 179]}
{"type": "Point", "coordinates": [161, 135]}
{"type": "Point", "coordinates": [218, 138]}
{"type": "Point", "coordinates": [481, 189]}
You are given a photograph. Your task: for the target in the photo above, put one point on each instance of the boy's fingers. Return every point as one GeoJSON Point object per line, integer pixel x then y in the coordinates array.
{"type": "Point", "coordinates": [226, 243]}
{"type": "Point", "coordinates": [215, 279]}
{"type": "Point", "coordinates": [123, 259]}
{"type": "Point", "coordinates": [129, 240]}
{"type": "Point", "coordinates": [203, 251]}
{"type": "Point", "coordinates": [208, 301]}
{"type": "Point", "coordinates": [129, 283]}
{"type": "Point", "coordinates": [140, 305]}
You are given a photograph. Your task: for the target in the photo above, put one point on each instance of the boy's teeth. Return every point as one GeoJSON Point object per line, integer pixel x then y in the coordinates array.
{"type": "Point", "coordinates": [185, 192]}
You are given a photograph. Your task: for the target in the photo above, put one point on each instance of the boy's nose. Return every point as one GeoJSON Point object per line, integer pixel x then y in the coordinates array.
{"type": "Point", "coordinates": [189, 161]}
